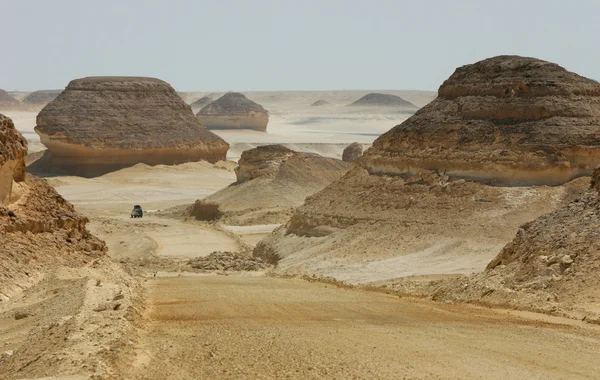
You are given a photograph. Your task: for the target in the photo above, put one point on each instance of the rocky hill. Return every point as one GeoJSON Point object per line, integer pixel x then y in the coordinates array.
{"type": "Point", "coordinates": [7, 102]}
{"type": "Point", "coordinates": [411, 207]}
{"type": "Point", "coordinates": [271, 181]}
{"type": "Point", "coordinates": [41, 98]}
{"type": "Point", "coordinates": [99, 124]}
{"type": "Point", "coordinates": [39, 230]}
{"type": "Point", "coordinates": [319, 103]}
{"type": "Point", "coordinates": [200, 103]}
{"type": "Point", "coordinates": [376, 99]}
{"type": "Point", "coordinates": [352, 152]}
{"type": "Point", "coordinates": [234, 111]}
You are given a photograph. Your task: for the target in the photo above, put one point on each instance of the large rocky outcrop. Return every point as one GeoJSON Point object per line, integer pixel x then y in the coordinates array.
{"type": "Point", "coordinates": [412, 207]}
{"type": "Point", "coordinates": [39, 230]}
{"type": "Point", "coordinates": [41, 97]}
{"type": "Point", "coordinates": [271, 181]}
{"type": "Point", "coordinates": [352, 152]}
{"type": "Point", "coordinates": [7, 102]}
{"type": "Point", "coordinates": [100, 124]}
{"type": "Point", "coordinates": [234, 111]}
{"type": "Point", "coordinates": [201, 103]}
{"type": "Point", "coordinates": [507, 119]}
{"type": "Point", "coordinates": [376, 99]}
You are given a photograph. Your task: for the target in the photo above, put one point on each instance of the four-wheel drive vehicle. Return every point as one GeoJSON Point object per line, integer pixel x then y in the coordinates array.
{"type": "Point", "coordinates": [137, 212]}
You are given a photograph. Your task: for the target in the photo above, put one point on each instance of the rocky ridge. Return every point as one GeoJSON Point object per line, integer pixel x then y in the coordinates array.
{"type": "Point", "coordinates": [41, 97]}
{"type": "Point", "coordinates": [234, 111]}
{"type": "Point", "coordinates": [7, 102]}
{"type": "Point", "coordinates": [99, 124]}
{"type": "Point", "coordinates": [375, 99]}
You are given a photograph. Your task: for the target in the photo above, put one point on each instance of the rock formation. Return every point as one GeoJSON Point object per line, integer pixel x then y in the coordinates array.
{"type": "Point", "coordinates": [375, 99]}
{"type": "Point", "coordinates": [7, 102]}
{"type": "Point", "coordinates": [39, 230]}
{"type": "Point", "coordinates": [100, 124]}
{"type": "Point", "coordinates": [271, 181]}
{"type": "Point", "coordinates": [200, 103]}
{"type": "Point", "coordinates": [507, 119]}
{"type": "Point", "coordinates": [319, 103]}
{"type": "Point", "coordinates": [418, 202]}
{"type": "Point", "coordinates": [352, 152]}
{"type": "Point", "coordinates": [41, 97]}
{"type": "Point", "coordinates": [234, 111]}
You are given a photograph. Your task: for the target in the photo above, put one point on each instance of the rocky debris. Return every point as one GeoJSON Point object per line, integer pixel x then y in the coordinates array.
{"type": "Point", "coordinates": [319, 103]}
{"type": "Point", "coordinates": [200, 103]}
{"type": "Point", "coordinates": [7, 102]}
{"type": "Point", "coordinates": [100, 124]}
{"type": "Point", "coordinates": [507, 119]}
{"type": "Point", "coordinates": [39, 229]}
{"type": "Point", "coordinates": [41, 97]}
{"type": "Point", "coordinates": [271, 181]}
{"type": "Point", "coordinates": [352, 152]}
{"type": "Point", "coordinates": [228, 261]}
{"type": "Point", "coordinates": [376, 99]}
{"type": "Point", "coordinates": [234, 111]}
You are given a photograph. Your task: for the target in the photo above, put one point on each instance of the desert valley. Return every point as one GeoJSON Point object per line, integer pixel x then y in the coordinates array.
{"type": "Point", "coordinates": [359, 234]}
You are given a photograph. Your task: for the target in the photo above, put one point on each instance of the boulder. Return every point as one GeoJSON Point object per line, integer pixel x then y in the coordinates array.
{"type": "Point", "coordinates": [352, 152]}
{"type": "Point", "coordinates": [100, 124]}
{"type": "Point", "coordinates": [271, 181]}
{"type": "Point", "coordinates": [375, 99]}
{"type": "Point", "coordinates": [508, 120]}
{"type": "Point", "coordinates": [234, 111]}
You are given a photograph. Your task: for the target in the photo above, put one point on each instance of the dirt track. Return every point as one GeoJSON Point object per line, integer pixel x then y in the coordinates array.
{"type": "Point", "coordinates": [242, 326]}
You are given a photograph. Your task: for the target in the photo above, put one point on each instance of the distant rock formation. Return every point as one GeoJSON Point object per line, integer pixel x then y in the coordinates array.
{"type": "Point", "coordinates": [352, 152]}
{"type": "Point", "coordinates": [507, 119]}
{"type": "Point", "coordinates": [271, 181]}
{"type": "Point", "coordinates": [100, 124]}
{"type": "Point", "coordinates": [7, 102]}
{"type": "Point", "coordinates": [39, 230]}
{"type": "Point", "coordinates": [319, 103]}
{"type": "Point", "coordinates": [376, 99]}
{"type": "Point", "coordinates": [420, 201]}
{"type": "Point", "coordinates": [203, 101]}
{"type": "Point", "coordinates": [41, 97]}
{"type": "Point", "coordinates": [234, 111]}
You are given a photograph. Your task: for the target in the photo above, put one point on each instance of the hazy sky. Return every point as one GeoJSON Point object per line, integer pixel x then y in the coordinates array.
{"type": "Point", "coordinates": [220, 45]}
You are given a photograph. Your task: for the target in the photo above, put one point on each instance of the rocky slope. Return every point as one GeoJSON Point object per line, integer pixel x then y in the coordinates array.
{"type": "Point", "coordinates": [376, 99]}
{"type": "Point", "coordinates": [507, 119]}
{"type": "Point", "coordinates": [234, 111]}
{"type": "Point", "coordinates": [99, 124]}
{"type": "Point", "coordinates": [200, 103]}
{"type": "Point", "coordinates": [41, 98]}
{"type": "Point", "coordinates": [39, 230]}
{"type": "Point", "coordinates": [352, 152]}
{"type": "Point", "coordinates": [390, 217]}
{"type": "Point", "coordinates": [271, 181]}
{"type": "Point", "coordinates": [7, 102]}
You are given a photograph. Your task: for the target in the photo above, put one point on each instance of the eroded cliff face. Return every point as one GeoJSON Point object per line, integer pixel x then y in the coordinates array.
{"type": "Point", "coordinates": [507, 120]}
{"type": "Point", "coordinates": [100, 124]}
{"type": "Point", "coordinates": [234, 111]}
{"type": "Point", "coordinates": [39, 230]}
{"type": "Point", "coordinates": [271, 182]}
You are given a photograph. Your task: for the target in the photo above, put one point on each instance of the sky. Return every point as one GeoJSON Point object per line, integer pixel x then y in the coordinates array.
{"type": "Point", "coordinates": [243, 45]}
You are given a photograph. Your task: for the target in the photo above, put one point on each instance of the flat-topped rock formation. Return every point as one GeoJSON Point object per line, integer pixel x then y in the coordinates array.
{"type": "Point", "coordinates": [100, 124]}
{"type": "Point", "coordinates": [319, 103]}
{"type": "Point", "coordinates": [352, 152]}
{"type": "Point", "coordinates": [234, 111]}
{"type": "Point", "coordinates": [39, 230]}
{"type": "Point", "coordinates": [7, 102]}
{"type": "Point", "coordinates": [41, 97]}
{"type": "Point", "coordinates": [508, 119]}
{"type": "Point", "coordinates": [376, 99]}
{"type": "Point", "coordinates": [200, 103]}
{"type": "Point", "coordinates": [271, 181]}
{"type": "Point", "coordinates": [412, 205]}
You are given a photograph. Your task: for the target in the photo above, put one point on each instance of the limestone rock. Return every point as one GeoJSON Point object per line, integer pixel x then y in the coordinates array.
{"type": "Point", "coordinates": [99, 124]}
{"type": "Point", "coordinates": [352, 152]}
{"type": "Point", "coordinates": [507, 119]}
{"type": "Point", "coordinates": [234, 111]}
{"type": "Point", "coordinates": [319, 103]}
{"type": "Point", "coordinates": [41, 97]}
{"type": "Point", "coordinates": [375, 99]}
{"type": "Point", "coordinates": [7, 102]}
{"type": "Point", "coordinates": [271, 181]}
{"type": "Point", "coordinates": [39, 230]}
